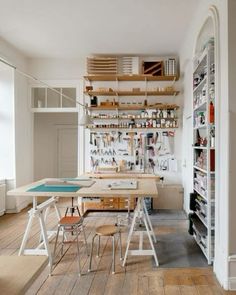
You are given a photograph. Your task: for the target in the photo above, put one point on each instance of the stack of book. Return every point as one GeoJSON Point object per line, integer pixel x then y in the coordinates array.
{"type": "Point", "coordinates": [102, 65]}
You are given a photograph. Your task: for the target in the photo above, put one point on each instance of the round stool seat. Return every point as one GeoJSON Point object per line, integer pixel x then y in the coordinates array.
{"type": "Point", "coordinates": [106, 230]}
{"type": "Point", "coordinates": [70, 220]}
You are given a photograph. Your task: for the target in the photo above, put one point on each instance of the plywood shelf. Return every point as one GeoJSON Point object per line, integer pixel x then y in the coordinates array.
{"type": "Point", "coordinates": [131, 93]}
{"type": "Point", "coordinates": [131, 118]}
{"type": "Point", "coordinates": [130, 78]}
{"type": "Point", "coordinates": [151, 129]}
{"type": "Point", "coordinates": [134, 108]}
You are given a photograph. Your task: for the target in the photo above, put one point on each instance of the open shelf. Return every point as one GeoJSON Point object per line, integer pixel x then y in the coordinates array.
{"type": "Point", "coordinates": [200, 147]}
{"type": "Point", "coordinates": [203, 95]}
{"type": "Point", "coordinates": [201, 218]}
{"type": "Point", "coordinates": [130, 129]}
{"type": "Point", "coordinates": [201, 195]}
{"type": "Point", "coordinates": [200, 85]}
{"type": "Point", "coordinates": [200, 107]}
{"type": "Point", "coordinates": [200, 127]}
{"type": "Point", "coordinates": [201, 246]}
{"type": "Point", "coordinates": [131, 93]}
{"type": "Point", "coordinates": [130, 78]}
{"type": "Point", "coordinates": [136, 107]}
{"type": "Point", "coordinates": [132, 118]}
{"type": "Point", "coordinates": [203, 170]}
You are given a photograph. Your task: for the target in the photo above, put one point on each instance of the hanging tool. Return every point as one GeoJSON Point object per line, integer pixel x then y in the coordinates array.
{"type": "Point", "coordinates": [171, 141]}
{"type": "Point", "coordinates": [152, 164]}
{"type": "Point", "coordinates": [164, 165]}
{"type": "Point", "coordinates": [114, 162]}
{"type": "Point", "coordinates": [141, 164]}
{"type": "Point", "coordinates": [137, 158]}
{"type": "Point", "coordinates": [91, 138]}
{"type": "Point", "coordinates": [131, 142]}
{"type": "Point", "coordinates": [151, 152]}
{"type": "Point", "coordinates": [98, 141]}
{"type": "Point", "coordinates": [119, 136]}
{"type": "Point", "coordinates": [93, 163]}
{"type": "Point", "coordinates": [156, 138]}
{"type": "Point", "coordinates": [149, 138]}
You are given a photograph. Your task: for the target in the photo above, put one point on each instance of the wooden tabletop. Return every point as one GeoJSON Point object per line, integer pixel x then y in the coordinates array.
{"type": "Point", "coordinates": [146, 188]}
{"type": "Point", "coordinates": [123, 175]}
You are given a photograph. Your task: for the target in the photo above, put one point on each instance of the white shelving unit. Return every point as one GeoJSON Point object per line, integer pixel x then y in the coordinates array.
{"type": "Point", "coordinates": [204, 150]}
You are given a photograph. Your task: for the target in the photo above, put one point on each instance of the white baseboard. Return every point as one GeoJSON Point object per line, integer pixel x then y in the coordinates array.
{"type": "Point", "coordinates": [2, 212]}
{"type": "Point", "coordinates": [232, 272]}
{"type": "Point", "coordinates": [18, 208]}
{"type": "Point", "coordinates": [220, 270]}
{"type": "Point", "coordinates": [232, 284]}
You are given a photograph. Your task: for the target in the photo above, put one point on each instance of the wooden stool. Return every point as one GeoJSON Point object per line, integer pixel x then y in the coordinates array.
{"type": "Point", "coordinates": [72, 224]}
{"type": "Point", "coordinates": [104, 231]}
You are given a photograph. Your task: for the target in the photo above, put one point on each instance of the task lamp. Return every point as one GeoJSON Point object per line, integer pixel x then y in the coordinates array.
{"type": "Point", "coordinates": [85, 119]}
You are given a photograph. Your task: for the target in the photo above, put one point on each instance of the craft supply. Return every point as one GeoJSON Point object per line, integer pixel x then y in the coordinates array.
{"type": "Point", "coordinates": [211, 113]}
{"type": "Point", "coordinates": [123, 184]}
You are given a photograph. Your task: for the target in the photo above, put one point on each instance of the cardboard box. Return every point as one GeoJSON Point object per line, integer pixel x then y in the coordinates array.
{"type": "Point", "coordinates": [169, 197]}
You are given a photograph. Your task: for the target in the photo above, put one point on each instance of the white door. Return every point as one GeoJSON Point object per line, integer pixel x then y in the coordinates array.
{"type": "Point", "coordinates": [67, 152]}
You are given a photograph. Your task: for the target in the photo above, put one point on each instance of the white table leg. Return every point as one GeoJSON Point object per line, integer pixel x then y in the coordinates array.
{"type": "Point", "coordinates": [26, 234]}
{"type": "Point", "coordinates": [141, 214]}
{"type": "Point", "coordinates": [130, 235]}
{"type": "Point", "coordinates": [150, 240]}
{"type": "Point", "coordinates": [57, 211]}
{"type": "Point", "coordinates": [45, 215]}
{"type": "Point", "coordinates": [45, 238]}
{"type": "Point", "coordinates": [38, 211]}
{"type": "Point", "coordinates": [149, 221]}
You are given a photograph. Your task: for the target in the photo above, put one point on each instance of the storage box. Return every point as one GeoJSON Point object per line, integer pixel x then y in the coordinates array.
{"type": "Point", "coordinates": [153, 68]}
{"type": "Point", "coordinates": [169, 197]}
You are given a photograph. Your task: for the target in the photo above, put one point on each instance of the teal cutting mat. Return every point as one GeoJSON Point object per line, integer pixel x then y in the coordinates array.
{"type": "Point", "coordinates": [44, 188]}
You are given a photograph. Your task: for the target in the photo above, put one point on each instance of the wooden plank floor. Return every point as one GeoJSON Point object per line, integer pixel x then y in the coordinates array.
{"type": "Point", "coordinates": [138, 277]}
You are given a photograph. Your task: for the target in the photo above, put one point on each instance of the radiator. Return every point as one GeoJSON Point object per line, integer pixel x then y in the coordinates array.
{"type": "Point", "coordinates": [2, 198]}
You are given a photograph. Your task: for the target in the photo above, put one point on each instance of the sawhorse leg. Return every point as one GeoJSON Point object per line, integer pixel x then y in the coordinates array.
{"type": "Point", "coordinates": [141, 213]}
{"type": "Point", "coordinates": [149, 221]}
{"type": "Point", "coordinates": [136, 213]}
{"type": "Point", "coordinates": [39, 212]}
{"type": "Point", "coordinates": [45, 215]}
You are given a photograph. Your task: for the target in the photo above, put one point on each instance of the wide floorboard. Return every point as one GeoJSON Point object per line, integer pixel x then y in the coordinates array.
{"type": "Point", "coordinates": [138, 277]}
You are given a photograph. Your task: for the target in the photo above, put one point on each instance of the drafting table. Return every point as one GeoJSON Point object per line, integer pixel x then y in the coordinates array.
{"type": "Point", "coordinates": [146, 188]}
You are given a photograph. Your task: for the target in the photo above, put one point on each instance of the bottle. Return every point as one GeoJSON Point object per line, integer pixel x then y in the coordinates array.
{"type": "Point", "coordinates": [154, 123]}
{"type": "Point", "coordinates": [212, 138]}
{"type": "Point", "coordinates": [211, 113]}
{"type": "Point", "coordinates": [164, 113]}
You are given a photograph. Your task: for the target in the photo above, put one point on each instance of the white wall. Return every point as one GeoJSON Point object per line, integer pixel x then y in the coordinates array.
{"type": "Point", "coordinates": [222, 140]}
{"type": "Point", "coordinates": [23, 127]}
{"type": "Point", "coordinates": [7, 126]}
{"type": "Point", "coordinates": [232, 143]}
{"type": "Point", "coordinates": [58, 69]}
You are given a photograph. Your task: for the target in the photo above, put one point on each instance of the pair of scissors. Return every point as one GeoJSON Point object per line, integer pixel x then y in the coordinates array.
{"type": "Point", "coordinates": [164, 165]}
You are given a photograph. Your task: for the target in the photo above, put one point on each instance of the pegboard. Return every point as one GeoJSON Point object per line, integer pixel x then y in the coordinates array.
{"type": "Point", "coordinates": [148, 152]}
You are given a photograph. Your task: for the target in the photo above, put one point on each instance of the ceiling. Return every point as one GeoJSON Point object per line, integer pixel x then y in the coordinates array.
{"type": "Point", "coordinates": [73, 28]}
